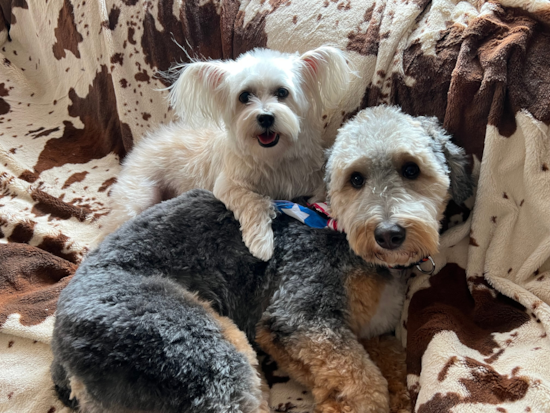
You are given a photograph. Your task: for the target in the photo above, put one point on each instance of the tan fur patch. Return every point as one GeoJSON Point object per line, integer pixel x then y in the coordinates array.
{"type": "Point", "coordinates": [364, 291]}
{"type": "Point", "coordinates": [77, 388]}
{"type": "Point", "coordinates": [343, 199]}
{"type": "Point", "coordinates": [362, 241]}
{"type": "Point", "coordinates": [338, 370]}
{"type": "Point", "coordinates": [236, 337]}
{"type": "Point", "coordinates": [295, 367]}
{"type": "Point", "coordinates": [389, 356]}
{"type": "Point", "coordinates": [421, 237]}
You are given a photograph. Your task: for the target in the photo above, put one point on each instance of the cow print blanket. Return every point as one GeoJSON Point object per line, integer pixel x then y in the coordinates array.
{"type": "Point", "coordinates": [78, 88]}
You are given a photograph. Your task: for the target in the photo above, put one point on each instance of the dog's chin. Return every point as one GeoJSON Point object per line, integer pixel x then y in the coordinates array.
{"type": "Point", "coordinates": [396, 258]}
{"type": "Point", "coordinates": [268, 139]}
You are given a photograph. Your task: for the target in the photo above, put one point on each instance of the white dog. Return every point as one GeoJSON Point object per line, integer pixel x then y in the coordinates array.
{"type": "Point", "coordinates": [250, 131]}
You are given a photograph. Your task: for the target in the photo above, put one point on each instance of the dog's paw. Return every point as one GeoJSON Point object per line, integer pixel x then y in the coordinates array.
{"type": "Point", "coordinates": [378, 399]}
{"type": "Point", "coordinates": [400, 401]}
{"type": "Point", "coordinates": [342, 406]}
{"type": "Point", "coordinates": [372, 399]}
{"type": "Point", "coordinates": [259, 241]}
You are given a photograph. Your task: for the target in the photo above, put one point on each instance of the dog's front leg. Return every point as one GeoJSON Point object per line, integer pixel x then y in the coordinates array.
{"type": "Point", "coordinates": [254, 212]}
{"type": "Point", "coordinates": [333, 364]}
{"type": "Point", "coordinates": [388, 354]}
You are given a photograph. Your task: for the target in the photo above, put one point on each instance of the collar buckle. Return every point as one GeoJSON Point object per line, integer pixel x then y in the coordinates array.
{"type": "Point", "coordinates": [422, 270]}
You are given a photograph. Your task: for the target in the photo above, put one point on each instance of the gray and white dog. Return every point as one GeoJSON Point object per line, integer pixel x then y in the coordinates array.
{"type": "Point", "coordinates": [160, 316]}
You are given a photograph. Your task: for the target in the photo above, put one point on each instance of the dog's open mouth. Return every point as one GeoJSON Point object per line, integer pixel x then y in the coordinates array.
{"type": "Point", "coordinates": [268, 139]}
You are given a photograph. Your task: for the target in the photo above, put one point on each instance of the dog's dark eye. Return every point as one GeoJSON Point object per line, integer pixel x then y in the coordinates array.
{"type": "Point", "coordinates": [410, 170]}
{"type": "Point", "coordinates": [357, 180]}
{"type": "Point", "coordinates": [244, 97]}
{"type": "Point", "coordinates": [282, 93]}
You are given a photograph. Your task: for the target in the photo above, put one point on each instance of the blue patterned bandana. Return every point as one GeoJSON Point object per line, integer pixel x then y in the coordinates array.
{"type": "Point", "coordinates": [308, 216]}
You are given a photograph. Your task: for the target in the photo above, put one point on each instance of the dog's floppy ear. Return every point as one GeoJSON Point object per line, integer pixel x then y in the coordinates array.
{"type": "Point", "coordinates": [455, 157]}
{"type": "Point", "coordinates": [327, 71]}
{"type": "Point", "coordinates": [199, 91]}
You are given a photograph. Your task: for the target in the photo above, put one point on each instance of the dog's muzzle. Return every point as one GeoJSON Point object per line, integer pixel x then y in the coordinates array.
{"type": "Point", "coordinates": [269, 138]}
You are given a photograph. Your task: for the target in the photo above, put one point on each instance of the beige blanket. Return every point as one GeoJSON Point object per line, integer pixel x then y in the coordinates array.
{"type": "Point", "coordinates": [77, 89]}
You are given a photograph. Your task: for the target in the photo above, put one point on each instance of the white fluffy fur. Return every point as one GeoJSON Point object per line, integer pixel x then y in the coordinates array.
{"type": "Point", "coordinates": [215, 144]}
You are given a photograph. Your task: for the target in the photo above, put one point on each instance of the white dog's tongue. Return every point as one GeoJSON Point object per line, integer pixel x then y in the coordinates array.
{"type": "Point", "coordinates": [267, 138]}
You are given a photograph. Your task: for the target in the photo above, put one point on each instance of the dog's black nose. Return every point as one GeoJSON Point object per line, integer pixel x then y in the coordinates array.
{"type": "Point", "coordinates": [390, 236]}
{"type": "Point", "coordinates": [266, 121]}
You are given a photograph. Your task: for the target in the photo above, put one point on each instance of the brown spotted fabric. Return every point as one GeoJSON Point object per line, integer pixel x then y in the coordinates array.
{"type": "Point", "coordinates": [78, 87]}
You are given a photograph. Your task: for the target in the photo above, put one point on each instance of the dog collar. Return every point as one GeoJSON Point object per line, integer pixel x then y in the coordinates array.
{"type": "Point", "coordinates": [417, 265]}
{"type": "Point", "coordinates": [316, 216]}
